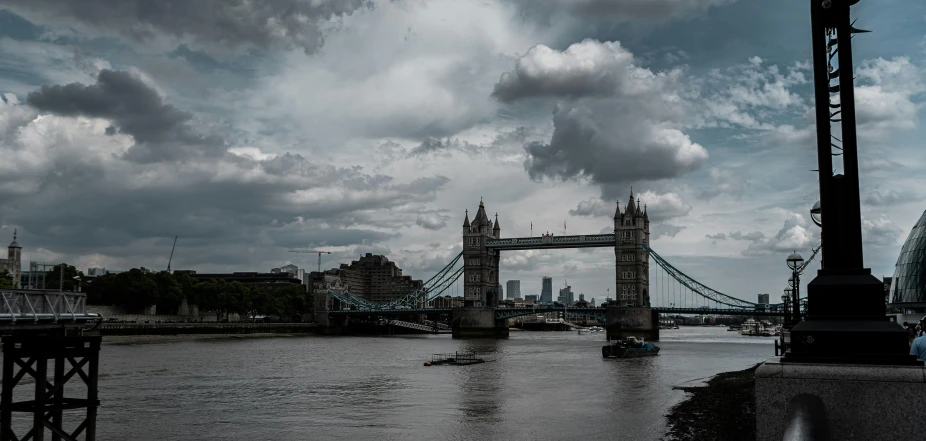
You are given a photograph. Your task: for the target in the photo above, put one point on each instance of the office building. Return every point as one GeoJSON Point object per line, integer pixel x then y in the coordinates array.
{"type": "Point", "coordinates": [376, 278]}
{"type": "Point", "coordinates": [546, 292]}
{"type": "Point", "coordinates": [908, 285]}
{"type": "Point", "coordinates": [763, 299]}
{"type": "Point", "coordinates": [513, 288]}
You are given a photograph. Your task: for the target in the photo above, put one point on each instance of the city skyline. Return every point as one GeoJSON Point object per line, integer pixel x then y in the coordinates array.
{"type": "Point", "coordinates": [374, 137]}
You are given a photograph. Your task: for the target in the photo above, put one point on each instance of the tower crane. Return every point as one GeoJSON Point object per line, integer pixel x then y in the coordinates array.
{"type": "Point", "coordinates": [313, 251]}
{"type": "Point", "coordinates": [171, 253]}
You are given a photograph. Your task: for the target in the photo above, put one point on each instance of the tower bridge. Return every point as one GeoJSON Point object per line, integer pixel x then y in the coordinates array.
{"type": "Point", "coordinates": [642, 293]}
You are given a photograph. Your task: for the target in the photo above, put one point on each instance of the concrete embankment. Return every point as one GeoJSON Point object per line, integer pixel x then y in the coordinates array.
{"type": "Point", "coordinates": [204, 328]}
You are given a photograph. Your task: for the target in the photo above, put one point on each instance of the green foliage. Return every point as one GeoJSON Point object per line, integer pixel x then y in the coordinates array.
{"type": "Point", "coordinates": [6, 280]}
{"type": "Point", "coordinates": [53, 277]}
{"type": "Point", "coordinates": [135, 290]}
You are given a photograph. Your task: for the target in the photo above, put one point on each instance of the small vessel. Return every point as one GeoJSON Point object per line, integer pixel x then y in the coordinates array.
{"type": "Point", "coordinates": [460, 358]}
{"type": "Point", "coordinates": [629, 347]}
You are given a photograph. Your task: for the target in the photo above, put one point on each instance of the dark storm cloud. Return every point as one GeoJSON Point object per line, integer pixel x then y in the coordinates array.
{"type": "Point", "coordinates": [71, 195]}
{"type": "Point", "coordinates": [161, 131]}
{"type": "Point", "coordinates": [264, 24]}
{"type": "Point", "coordinates": [617, 10]}
{"type": "Point", "coordinates": [588, 142]}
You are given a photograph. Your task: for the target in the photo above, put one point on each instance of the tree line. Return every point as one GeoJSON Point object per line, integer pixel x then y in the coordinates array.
{"type": "Point", "coordinates": [136, 290]}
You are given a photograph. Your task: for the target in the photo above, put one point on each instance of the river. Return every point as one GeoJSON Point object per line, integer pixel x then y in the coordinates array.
{"type": "Point", "coordinates": [543, 386]}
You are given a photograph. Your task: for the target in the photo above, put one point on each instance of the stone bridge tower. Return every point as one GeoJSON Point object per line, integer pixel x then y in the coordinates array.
{"type": "Point", "coordinates": [480, 265]}
{"type": "Point", "coordinates": [631, 231]}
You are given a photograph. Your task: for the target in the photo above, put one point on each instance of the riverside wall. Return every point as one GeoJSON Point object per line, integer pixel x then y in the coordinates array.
{"type": "Point", "coordinates": [205, 328]}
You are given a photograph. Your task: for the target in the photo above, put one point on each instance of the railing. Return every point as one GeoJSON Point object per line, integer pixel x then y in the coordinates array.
{"type": "Point", "coordinates": [806, 419]}
{"type": "Point", "coordinates": [25, 307]}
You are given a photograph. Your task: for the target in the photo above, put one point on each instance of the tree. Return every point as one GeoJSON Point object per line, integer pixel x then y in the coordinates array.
{"type": "Point", "coordinates": [137, 290]}
{"type": "Point", "coordinates": [169, 292]}
{"type": "Point", "coordinates": [53, 277]}
{"type": "Point", "coordinates": [6, 280]}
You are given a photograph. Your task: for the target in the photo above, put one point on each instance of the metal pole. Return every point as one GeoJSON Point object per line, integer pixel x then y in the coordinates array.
{"type": "Point", "coordinates": [853, 217]}
{"type": "Point", "coordinates": [824, 136]}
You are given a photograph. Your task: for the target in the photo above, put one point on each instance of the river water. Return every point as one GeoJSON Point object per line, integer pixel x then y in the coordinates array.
{"type": "Point", "coordinates": [543, 386]}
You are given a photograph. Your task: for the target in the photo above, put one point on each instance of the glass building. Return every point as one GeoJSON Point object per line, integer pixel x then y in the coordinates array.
{"type": "Point", "coordinates": [908, 288]}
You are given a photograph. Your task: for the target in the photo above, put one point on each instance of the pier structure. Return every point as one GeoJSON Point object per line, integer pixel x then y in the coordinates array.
{"type": "Point", "coordinates": [43, 335]}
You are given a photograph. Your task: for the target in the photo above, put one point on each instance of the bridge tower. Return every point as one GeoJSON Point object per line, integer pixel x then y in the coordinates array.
{"type": "Point", "coordinates": [633, 315]}
{"type": "Point", "coordinates": [631, 232]}
{"type": "Point", "coordinates": [480, 265]}
{"type": "Point", "coordinates": [480, 280]}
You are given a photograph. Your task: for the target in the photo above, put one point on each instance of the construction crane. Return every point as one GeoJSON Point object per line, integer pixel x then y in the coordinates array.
{"type": "Point", "coordinates": [316, 252]}
{"type": "Point", "coordinates": [171, 253]}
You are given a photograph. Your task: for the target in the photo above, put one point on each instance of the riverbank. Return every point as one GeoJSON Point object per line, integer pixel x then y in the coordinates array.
{"type": "Point", "coordinates": [143, 339]}
{"type": "Point", "coordinates": [722, 409]}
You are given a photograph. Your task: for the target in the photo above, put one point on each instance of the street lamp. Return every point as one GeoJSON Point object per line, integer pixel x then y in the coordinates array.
{"type": "Point", "coordinates": [816, 214]}
{"type": "Point", "coordinates": [785, 299]}
{"type": "Point", "coordinates": [794, 262]}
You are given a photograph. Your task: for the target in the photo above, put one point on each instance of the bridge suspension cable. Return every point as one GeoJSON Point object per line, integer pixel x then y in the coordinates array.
{"type": "Point", "coordinates": [437, 285]}
{"type": "Point", "coordinates": [698, 287]}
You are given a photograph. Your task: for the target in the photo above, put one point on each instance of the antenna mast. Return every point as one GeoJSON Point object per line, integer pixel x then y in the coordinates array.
{"type": "Point", "coordinates": [171, 253]}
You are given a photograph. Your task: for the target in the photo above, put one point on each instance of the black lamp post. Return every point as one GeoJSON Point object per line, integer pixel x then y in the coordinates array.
{"type": "Point", "coordinates": [785, 299]}
{"type": "Point", "coordinates": [794, 262]}
{"type": "Point", "coordinates": [845, 319]}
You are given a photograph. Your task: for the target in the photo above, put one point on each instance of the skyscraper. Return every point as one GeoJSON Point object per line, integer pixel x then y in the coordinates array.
{"type": "Point", "coordinates": [546, 293]}
{"type": "Point", "coordinates": [513, 288]}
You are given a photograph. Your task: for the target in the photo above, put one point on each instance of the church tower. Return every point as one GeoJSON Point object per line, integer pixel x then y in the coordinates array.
{"type": "Point", "coordinates": [480, 265]}
{"type": "Point", "coordinates": [631, 232]}
{"type": "Point", "coordinates": [14, 260]}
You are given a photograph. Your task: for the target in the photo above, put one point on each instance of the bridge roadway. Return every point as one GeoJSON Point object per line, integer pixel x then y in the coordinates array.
{"type": "Point", "coordinates": [599, 312]}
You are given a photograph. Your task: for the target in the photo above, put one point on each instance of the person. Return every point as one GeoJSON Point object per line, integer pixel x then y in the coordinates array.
{"type": "Point", "coordinates": [911, 333]}
{"type": "Point", "coordinates": [918, 347]}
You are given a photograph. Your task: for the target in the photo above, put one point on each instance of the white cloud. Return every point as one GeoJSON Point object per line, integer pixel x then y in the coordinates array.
{"type": "Point", "coordinates": [880, 231]}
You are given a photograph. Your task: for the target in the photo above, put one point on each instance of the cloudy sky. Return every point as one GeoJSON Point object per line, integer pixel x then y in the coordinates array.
{"type": "Point", "coordinates": [251, 128]}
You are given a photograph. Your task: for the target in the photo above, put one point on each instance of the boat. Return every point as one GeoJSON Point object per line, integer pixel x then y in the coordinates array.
{"type": "Point", "coordinates": [629, 347]}
{"type": "Point", "coordinates": [734, 328]}
{"type": "Point", "coordinates": [460, 358]}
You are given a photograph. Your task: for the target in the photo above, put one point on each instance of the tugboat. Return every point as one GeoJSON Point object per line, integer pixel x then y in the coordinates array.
{"type": "Point", "coordinates": [629, 347]}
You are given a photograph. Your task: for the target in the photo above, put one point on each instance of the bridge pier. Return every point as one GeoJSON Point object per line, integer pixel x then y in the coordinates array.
{"type": "Point", "coordinates": [477, 322]}
{"type": "Point", "coordinates": [640, 322]}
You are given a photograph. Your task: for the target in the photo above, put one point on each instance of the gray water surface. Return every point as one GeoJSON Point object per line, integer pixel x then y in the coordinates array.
{"type": "Point", "coordinates": [543, 386]}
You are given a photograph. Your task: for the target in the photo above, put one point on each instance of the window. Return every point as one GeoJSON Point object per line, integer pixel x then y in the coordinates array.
{"type": "Point", "coordinates": [629, 275]}
{"type": "Point", "coordinates": [628, 257]}
{"type": "Point", "coordinates": [474, 241]}
{"type": "Point", "coordinates": [474, 261]}
{"type": "Point", "coordinates": [474, 277]}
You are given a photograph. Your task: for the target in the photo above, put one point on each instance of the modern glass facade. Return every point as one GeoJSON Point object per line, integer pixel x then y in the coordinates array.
{"type": "Point", "coordinates": [909, 283]}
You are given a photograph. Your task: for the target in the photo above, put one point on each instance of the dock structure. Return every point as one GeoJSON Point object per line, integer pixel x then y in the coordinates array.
{"type": "Point", "coordinates": [43, 335]}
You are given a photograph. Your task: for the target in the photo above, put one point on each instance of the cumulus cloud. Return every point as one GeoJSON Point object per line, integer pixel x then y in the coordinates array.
{"type": "Point", "coordinates": [618, 10]}
{"type": "Point", "coordinates": [662, 229]}
{"type": "Point", "coordinates": [593, 207]}
{"type": "Point", "coordinates": [161, 131]}
{"type": "Point", "coordinates": [880, 231]}
{"type": "Point", "coordinates": [60, 156]}
{"type": "Point", "coordinates": [659, 206]}
{"type": "Point", "coordinates": [432, 220]}
{"type": "Point", "coordinates": [587, 68]}
{"type": "Point", "coordinates": [795, 234]}
{"type": "Point", "coordinates": [664, 206]}
{"type": "Point", "coordinates": [210, 24]}
{"type": "Point", "coordinates": [616, 122]}
{"type": "Point", "coordinates": [724, 181]}
{"type": "Point", "coordinates": [884, 95]}
{"type": "Point", "coordinates": [892, 197]}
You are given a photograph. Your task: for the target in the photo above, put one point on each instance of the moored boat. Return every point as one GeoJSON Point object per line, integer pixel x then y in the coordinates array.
{"type": "Point", "coordinates": [629, 347]}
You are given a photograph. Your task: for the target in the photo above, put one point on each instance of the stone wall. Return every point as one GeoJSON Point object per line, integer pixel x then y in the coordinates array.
{"type": "Point", "coordinates": [632, 322]}
{"type": "Point", "coordinates": [122, 314]}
